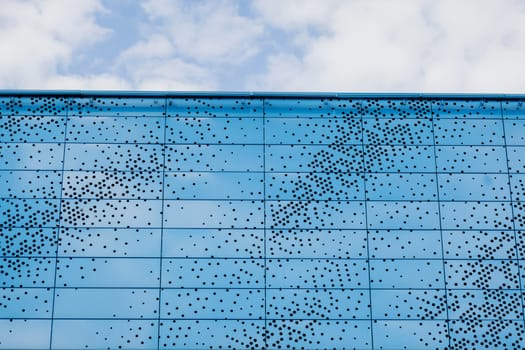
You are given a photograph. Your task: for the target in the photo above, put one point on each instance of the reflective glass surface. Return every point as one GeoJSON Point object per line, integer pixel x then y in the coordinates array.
{"type": "Point", "coordinates": [261, 222]}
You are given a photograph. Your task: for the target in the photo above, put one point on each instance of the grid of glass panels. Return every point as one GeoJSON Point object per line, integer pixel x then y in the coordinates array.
{"type": "Point", "coordinates": [264, 222]}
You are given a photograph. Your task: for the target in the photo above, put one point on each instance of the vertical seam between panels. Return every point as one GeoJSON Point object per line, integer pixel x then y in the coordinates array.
{"type": "Point", "coordinates": [163, 172]}
{"type": "Point", "coordinates": [59, 226]}
{"type": "Point", "coordinates": [449, 335]}
{"type": "Point", "coordinates": [367, 231]}
{"type": "Point", "coordinates": [513, 217]}
{"type": "Point", "coordinates": [265, 333]}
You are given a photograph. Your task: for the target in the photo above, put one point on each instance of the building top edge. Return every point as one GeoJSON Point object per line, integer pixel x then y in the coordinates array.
{"type": "Point", "coordinates": [256, 94]}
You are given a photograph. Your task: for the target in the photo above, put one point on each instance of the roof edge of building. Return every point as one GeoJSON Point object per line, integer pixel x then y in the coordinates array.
{"type": "Point", "coordinates": [256, 94]}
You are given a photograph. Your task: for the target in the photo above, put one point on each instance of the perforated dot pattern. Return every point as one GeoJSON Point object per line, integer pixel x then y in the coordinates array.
{"type": "Point", "coordinates": [261, 222]}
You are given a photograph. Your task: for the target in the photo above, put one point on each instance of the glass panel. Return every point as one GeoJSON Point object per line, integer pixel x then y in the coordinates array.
{"type": "Point", "coordinates": [314, 158]}
{"type": "Point", "coordinates": [513, 109]}
{"type": "Point", "coordinates": [115, 129]}
{"type": "Point", "coordinates": [479, 245]}
{"type": "Point", "coordinates": [468, 132]}
{"type": "Point", "coordinates": [392, 159]}
{"type": "Point", "coordinates": [113, 157]}
{"type": "Point", "coordinates": [312, 107]}
{"type": "Point", "coordinates": [112, 185]}
{"type": "Point", "coordinates": [471, 187]}
{"type": "Point", "coordinates": [413, 335]}
{"type": "Point", "coordinates": [485, 304]}
{"type": "Point", "coordinates": [111, 213]}
{"type": "Point", "coordinates": [401, 186]}
{"type": "Point", "coordinates": [396, 108]}
{"type": "Point", "coordinates": [317, 304]}
{"type": "Point", "coordinates": [487, 334]}
{"type": "Point", "coordinates": [212, 273]}
{"type": "Point", "coordinates": [305, 243]}
{"type": "Point", "coordinates": [482, 274]}
{"type": "Point", "coordinates": [312, 131]}
{"type": "Point", "coordinates": [211, 334]}
{"type": "Point", "coordinates": [25, 334]}
{"type": "Point", "coordinates": [246, 304]}
{"type": "Point", "coordinates": [109, 242]}
{"type": "Point", "coordinates": [471, 159]}
{"type": "Point", "coordinates": [32, 129]}
{"type": "Point", "coordinates": [517, 187]}
{"type": "Point", "coordinates": [38, 105]}
{"type": "Point", "coordinates": [516, 156]}
{"type": "Point", "coordinates": [201, 107]}
{"type": "Point", "coordinates": [213, 185]}
{"type": "Point", "coordinates": [105, 334]}
{"type": "Point", "coordinates": [16, 213]}
{"type": "Point", "coordinates": [329, 186]}
{"type": "Point", "coordinates": [324, 334]}
{"type": "Point", "coordinates": [15, 156]}
{"type": "Point", "coordinates": [26, 302]}
{"type": "Point", "coordinates": [316, 273]}
{"type": "Point", "coordinates": [383, 131]}
{"type": "Point", "coordinates": [409, 304]}
{"type": "Point", "coordinates": [515, 132]}
{"type": "Point", "coordinates": [105, 272]}
{"type": "Point", "coordinates": [406, 274]}
{"type": "Point", "coordinates": [484, 215]}
{"type": "Point", "coordinates": [466, 109]}
{"type": "Point", "coordinates": [106, 303]}
{"type": "Point", "coordinates": [405, 244]}
{"type": "Point", "coordinates": [214, 130]}
{"type": "Point", "coordinates": [27, 272]}
{"type": "Point", "coordinates": [28, 241]}
{"type": "Point", "coordinates": [403, 215]}
{"type": "Point", "coordinates": [319, 214]}
{"type": "Point", "coordinates": [29, 184]}
{"type": "Point", "coordinates": [214, 158]}
{"type": "Point", "coordinates": [213, 214]}
{"type": "Point", "coordinates": [209, 242]}
{"type": "Point", "coordinates": [117, 106]}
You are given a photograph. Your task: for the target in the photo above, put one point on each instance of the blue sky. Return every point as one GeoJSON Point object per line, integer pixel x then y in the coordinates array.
{"type": "Point", "coordinates": [276, 45]}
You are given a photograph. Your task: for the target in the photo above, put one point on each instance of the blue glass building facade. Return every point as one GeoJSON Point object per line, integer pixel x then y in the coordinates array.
{"type": "Point", "coordinates": [266, 221]}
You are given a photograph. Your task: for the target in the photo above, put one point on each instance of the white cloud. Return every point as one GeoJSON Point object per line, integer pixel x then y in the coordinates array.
{"type": "Point", "coordinates": [103, 81]}
{"type": "Point", "coordinates": [151, 64]}
{"type": "Point", "coordinates": [38, 38]}
{"type": "Point", "coordinates": [282, 70]}
{"type": "Point", "coordinates": [170, 74]}
{"type": "Point", "coordinates": [297, 14]}
{"type": "Point", "coordinates": [207, 32]}
{"type": "Point", "coordinates": [405, 45]}
{"type": "Point", "coordinates": [154, 46]}
{"type": "Point", "coordinates": [185, 45]}
{"type": "Point", "coordinates": [302, 45]}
